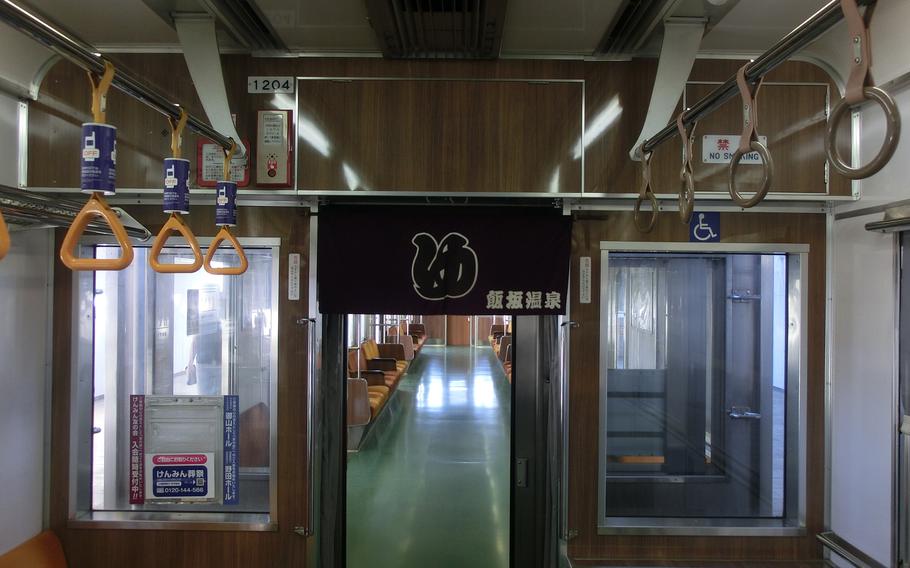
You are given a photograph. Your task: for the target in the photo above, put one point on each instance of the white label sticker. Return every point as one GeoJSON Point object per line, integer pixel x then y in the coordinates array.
{"type": "Point", "coordinates": [213, 164]}
{"type": "Point", "coordinates": [584, 280]}
{"type": "Point", "coordinates": [719, 149]}
{"type": "Point", "coordinates": [269, 85]}
{"type": "Point", "coordinates": [294, 276]}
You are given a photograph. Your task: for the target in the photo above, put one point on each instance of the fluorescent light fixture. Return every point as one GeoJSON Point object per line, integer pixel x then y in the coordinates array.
{"type": "Point", "coordinates": [598, 126]}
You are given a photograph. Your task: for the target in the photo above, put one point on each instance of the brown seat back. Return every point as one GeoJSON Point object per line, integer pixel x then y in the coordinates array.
{"type": "Point", "coordinates": [418, 329]}
{"type": "Point", "coordinates": [358, 403]}
{"type": "Point", "coordinates": [504, 345]}
{"type": "Point", "coordinates": [42, 551]}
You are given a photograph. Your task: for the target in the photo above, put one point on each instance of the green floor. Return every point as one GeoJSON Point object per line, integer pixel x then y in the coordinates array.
{"type": "Point", "coordinates": [430, 485]}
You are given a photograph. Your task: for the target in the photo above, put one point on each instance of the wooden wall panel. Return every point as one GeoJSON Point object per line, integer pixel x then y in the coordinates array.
{"type": "Point", "coordinates": [793, 119]}
{"type": "Point", "coordinates": [436, 327]}
{"type": "Point", "coordinates": [472, 136]}
{"type": "Point", "coordinates": [417, 136]}
{"type": "Point", "coordinates": [107, 548]}
{"type": "Point", "coordinates": [458, 330]}
{"type": "Point", "coordinates": [588, 547]}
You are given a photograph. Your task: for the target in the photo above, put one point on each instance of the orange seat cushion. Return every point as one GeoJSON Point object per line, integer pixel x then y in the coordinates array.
{"type": "Point", "coordinates": [42, 551]}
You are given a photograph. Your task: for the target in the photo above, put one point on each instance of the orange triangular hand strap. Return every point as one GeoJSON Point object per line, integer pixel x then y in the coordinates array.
{"type": "Point", "coordinates": [96, 206]}
{"type": "Point", "coordinates": [225, 234]}
{"type": "Point", "coordinates": [175, 224]}
{"type": "Point", "coordinates": [4, 238]}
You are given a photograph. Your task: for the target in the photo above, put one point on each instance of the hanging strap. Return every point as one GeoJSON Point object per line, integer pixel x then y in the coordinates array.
{"type": "Point", "coordinates": [96, 207]}
{"type": "Point", "coordinates": [860, 70]}
{"type": "Point", "coordinates": [860, 87]}
{"type": "Point", "coordinates": [686, 174]}
{"type": "Point", "coordinates": [100, 86]}
{"type": "Point", "coordinates": [749, 142]}
{"type": "Point", "coordinates": [176, 223]}
{"type": "Point", "coordinates": [749, 93]}
{"type": "Point", "coordinates": [177, 133]}
{"type": "Point", "coordinates": [228, 156]}
{"type": "Point", "coordinates": [646, 193]}
{"type": "Point", "coordinates": [4, 238]}
{"type": "Point", "coordinates": [225, 235]}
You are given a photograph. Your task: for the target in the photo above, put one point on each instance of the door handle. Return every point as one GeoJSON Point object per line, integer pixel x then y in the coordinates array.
{"type": "Point", "coordinates": [743, 413]}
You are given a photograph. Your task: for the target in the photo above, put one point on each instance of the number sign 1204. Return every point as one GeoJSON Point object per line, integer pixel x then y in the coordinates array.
{"type": "Point", "coordinates": [270, 85]}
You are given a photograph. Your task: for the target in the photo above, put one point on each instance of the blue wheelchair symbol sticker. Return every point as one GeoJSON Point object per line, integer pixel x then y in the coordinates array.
{"type": "Point", "coordinates": [704, 228]}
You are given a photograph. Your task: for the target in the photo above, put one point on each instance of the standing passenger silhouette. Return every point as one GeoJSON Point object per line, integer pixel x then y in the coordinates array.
{"type": "Point", "coordinates": [205, 349]}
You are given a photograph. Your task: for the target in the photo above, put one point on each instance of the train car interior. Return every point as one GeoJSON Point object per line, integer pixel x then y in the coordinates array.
{"type": "Point", "coordinates": [454, 283]}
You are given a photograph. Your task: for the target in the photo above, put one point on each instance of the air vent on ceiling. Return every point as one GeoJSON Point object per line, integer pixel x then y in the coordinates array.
{"type": "Point", "coordinates": [445, 29]}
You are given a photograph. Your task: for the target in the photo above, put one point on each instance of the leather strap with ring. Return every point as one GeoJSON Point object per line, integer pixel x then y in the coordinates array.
{"type": "Point", "coordinates": [686, 174]}
{"type": "Point", "coordinates": [749, 142]}
{"type": "Point", "coordinates": [97, 206]}
{"type": "Point", "coordinates": [224, 234]}
{"type": "Point", "coordinates": [646, 193]}
{"type": "Point", "coordinates": [860, 87]}
{"type": "Point", "coordinates": [176, 223]}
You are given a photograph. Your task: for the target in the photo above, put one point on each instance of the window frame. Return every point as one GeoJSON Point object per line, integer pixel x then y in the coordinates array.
{"type": "Point", "coordinates": [81, 514]}
{"type": "Point", "coordinates": [793, 522]}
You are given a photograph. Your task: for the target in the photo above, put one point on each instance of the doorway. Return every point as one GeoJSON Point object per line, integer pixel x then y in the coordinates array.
{"type": "Point", "coordinates": [428, 472]}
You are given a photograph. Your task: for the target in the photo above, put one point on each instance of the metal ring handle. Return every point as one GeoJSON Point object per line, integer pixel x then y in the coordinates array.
{"type": "Point", "coordinates": [4, 238]}
{"type": "Point", "coordinates": [96, 206]}
{"type": "Point", "coordinates": [175, 224]}
{"type": "Point", "coordinates": [654, 212]}
{"type": "Point", "coordinates": [892, 135]}
{"type": "Point", "coordinates": [225, 235]}
{"type": "Point", "coordinates": [686, 195]}
{"type": "Point", "coordinates": [767, 175]}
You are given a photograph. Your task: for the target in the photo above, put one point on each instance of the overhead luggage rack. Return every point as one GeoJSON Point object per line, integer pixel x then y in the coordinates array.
{"type": "Point", "coordinates": [28, 209]}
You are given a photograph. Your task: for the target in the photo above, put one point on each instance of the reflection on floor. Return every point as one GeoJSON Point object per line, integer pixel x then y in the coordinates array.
{"type": "Point", "coordinates": [431, 489]}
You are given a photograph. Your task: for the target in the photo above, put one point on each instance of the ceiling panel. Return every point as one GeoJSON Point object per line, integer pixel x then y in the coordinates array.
{"type": "Point", "coordinates": [321, 26]}
{"type": "Point", "coordinates": [568, 27]}
{"type": "Point", "coordinates": [105, 23]}
{"type": "Point", "coordinates": [756, 25]}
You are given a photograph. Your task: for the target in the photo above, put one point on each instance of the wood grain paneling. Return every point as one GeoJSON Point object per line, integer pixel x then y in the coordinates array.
{"type": "Point", "coordinates": [428, 136]}
{"type": "Point", "coordinates": [106, 548]}
{"type": "Point", "coordinates": [792, 117]}
{"type": "Point", "coordinates": [588, 546]}
{"type": "Point", "coordinates": [458, 330]}
{"type": "Point", "coordinates": [472, 136]}
{"type": "Point", "coordinates": [436, 327]}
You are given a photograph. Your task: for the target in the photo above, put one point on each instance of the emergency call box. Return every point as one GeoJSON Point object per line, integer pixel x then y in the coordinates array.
{"type": "Point", "coordinates": [274, 149]}
{"type": "Point", "coordinates": [184, 449]}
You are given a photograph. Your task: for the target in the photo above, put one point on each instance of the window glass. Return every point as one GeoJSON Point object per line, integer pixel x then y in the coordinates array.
{"type": "Point", "coordinates": [189, 344]}
{"type": "Point", "coordinates": [696, 385]}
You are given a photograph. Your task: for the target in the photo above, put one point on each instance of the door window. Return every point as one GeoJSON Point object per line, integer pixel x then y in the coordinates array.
{"type": "Point", "coordinates": [699, 408]}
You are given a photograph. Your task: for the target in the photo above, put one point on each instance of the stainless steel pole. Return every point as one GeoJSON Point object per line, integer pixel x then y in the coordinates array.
{"type": "Point", "coordinates": [799, 38]}
{"type": "Point", "coordinates": [87, 57]}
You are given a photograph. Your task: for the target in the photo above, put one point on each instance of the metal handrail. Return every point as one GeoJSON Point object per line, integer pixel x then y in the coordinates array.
{"type": "Point", "coordinates": [847, 551]}
{"type": "Point", "coordinates": [804, 34]}
{"type": "Point", "coordinates": [84, 55]}
{"type": "Point", "coordinates": [21, 206]}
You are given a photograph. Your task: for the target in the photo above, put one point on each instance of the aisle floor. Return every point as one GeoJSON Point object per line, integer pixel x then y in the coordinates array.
{"type": "Point", "coordinates": [430, 485]}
